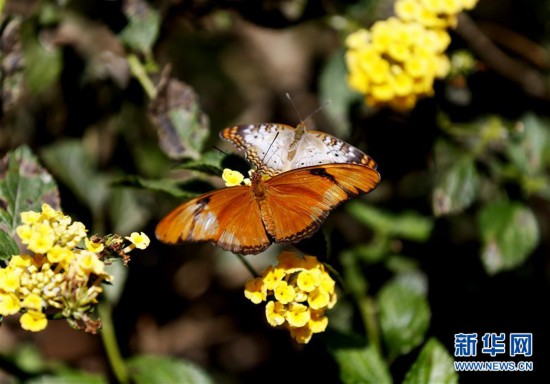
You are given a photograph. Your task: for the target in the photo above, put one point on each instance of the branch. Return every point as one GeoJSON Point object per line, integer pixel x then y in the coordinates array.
{"type": "Point", "coordinates": [532, 81]}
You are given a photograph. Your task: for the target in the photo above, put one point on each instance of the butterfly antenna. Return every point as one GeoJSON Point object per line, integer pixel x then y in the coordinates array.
{"type": "Point", "coordinates": [268, 148]}
{"type": "Point", "coordinates": [294, 106]}
{"type": "Point", "coordinates": [303, 121]}
{"type": "Point", "coordinates": [225, 153]}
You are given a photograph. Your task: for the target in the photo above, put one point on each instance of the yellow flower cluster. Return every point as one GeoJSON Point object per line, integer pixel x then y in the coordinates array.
{"type": "Point", "coordinates": [397, 61]}
{"type": "Point", "coordinates": [297, 292]}
{"type": "Point", "coordinates": [58, 277]}
{"type": "Point", "coordinates": [432, 13]}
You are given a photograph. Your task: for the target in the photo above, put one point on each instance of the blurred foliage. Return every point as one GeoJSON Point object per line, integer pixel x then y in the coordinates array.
{"type": "Point", "coordinates": [24, 185]}
{"type": "Point", "coordinates": [111, 110]}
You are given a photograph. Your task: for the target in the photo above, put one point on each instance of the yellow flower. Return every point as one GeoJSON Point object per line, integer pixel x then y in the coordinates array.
{"type": "Point", "coordinates": [302, 335]}
{"type": "Point", "coordinates": [30, 217]}
{"type": "Point", "coordinates": [284, 293]}
{"type": "Point", "coordinates": [232, 178]}
{"type": "Point", "coordinates": [407, 9]}
{"type": "Point", "coordinates": [21, 261]}
{"type": "Point", "coordinates": [469, 4]}
{"type": "Point", "coordinates": [272, 276]}
{"type": "Point", "coordinates": [33, 321]}
{"type": "Point", "coordinates": [397, 61]}
{"type": "Point", "coordinates": [318, 299]}
{"type": "Point", "coordinates": [297, 315]}
{"type": "Point", "coordinates": [255, 290]}
{"type": "Point", "coordinates": [49, 213]}
{"type": "Point", "coordinates": [33, 301]}
{"type": "Point", "coordinates": [301, 296]}
{"type": "Point", "coordinates": [399, 51]}
{"type": "Point", "coordinates": [9, 279]}
{"type": "Point", "coordinates": [56, 276]}
{"type": "Point", "coordinates": [93, 246]}
{"type": "Point", "coordinates": [382, 92]}
{"type": "Point", "coordinates": [379, 70]}
{"type": "Point", "coordinates": [140, 240]}
{"type": "Point", "coordinates": [308, 280]}
{"type": "Point", "coordinates": [275, 313]}
{"type": "Point", "coordinates": [88, 262]}
{"type": "Point", "coordinates": [318, 321]}
{"type": "Point", "coordinates": [297, 290]}
{"type": "Point", "coordinates": [359, 81]}
{"type": "Point", "coordinates": [443, 66]}
{"type": "Point", "coordinates": [58, 254]}
{"type": "Point", "coordinates": [42, 238]}
{"type": "Point", "coordinates": [327, 283]}
{"type": "Point", "coordinates": [9, 304]}
{"type": "Point", "coordinates": [358, 39]}
{"type": "Point", "coordinates": [402, 84]}
{"type": "Point", "coordinates": [72, 234]}
{"type": "Point", "coordinates": [24, 232]}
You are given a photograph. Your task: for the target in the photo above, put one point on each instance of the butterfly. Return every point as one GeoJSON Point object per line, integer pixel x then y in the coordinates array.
{"type": "Point", "coordinates": [285, 208]}
{"type": "Point", "coordinates": [280, 147]}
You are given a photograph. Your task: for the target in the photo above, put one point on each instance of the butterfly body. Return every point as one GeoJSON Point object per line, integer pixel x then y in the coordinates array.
{"type": "Point", "coordinates": [286, 208]}
{"type": "Point", "coordinates": [279, 147]}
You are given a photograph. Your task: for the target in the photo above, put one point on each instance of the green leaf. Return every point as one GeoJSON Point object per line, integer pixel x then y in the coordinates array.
{"type": "Point", "coordinates": [528, 156]}
{"type": "Point", "coordinates": [404, 317]}
{"type": "Point", "coordinates": [402, 264]}
{"type": "Point", "coordinates": [509, 232]}
{"type": "Point", "coordinates": [24, 186]}
{"type": "Point", "coordinates": [69, 377]}
{"type": "Point", "coordinates": [434, 365]}
{"type": "Point", "coordinates": [407, 225]}
{"type": "Point", "coordinates": [457, 181]}
{"type": "Point", "coordinates": [128, 210]}
{"type": "Point", "coordinates": [143, 26]}
{"type": "Point", "coordinates": [334, 90]}
{"type": "Point", "coordinates": [210, 163]}
{"type": "Point", "coordinates": [157, 369]}
{"type": "Point", "coordinates": [28, 358]}
{"type": "Point", "coordinates": [43, 60]}
{"type": "Point", "coordinates": [70, 162]}
{"type": "Point", "coordinates": [376, 250]}
{"type": "Point", "coordinates": [169, 186]}
{"type": "Point", "coordinates": [8, 246]}
{"type": "Point", "coordinates": [479, 135]}
{"type": "Point", "coordinates": [182, 127]}
{"type": "Point", "coordinates": [414, 280]}
{"type": "Point", "coordinates": [362, 365]}
{"type": "Point", "coordinates": [356, 282]}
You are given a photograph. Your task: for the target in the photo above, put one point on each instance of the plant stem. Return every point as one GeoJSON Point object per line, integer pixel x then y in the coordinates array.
{"type": "Point", "coordinates": [368, 313]}
{"type": "Point", "coordinates": [358, 286]}
{"type": "Point", "coordinates": [248, 265]}
{"type": "Point", "coordinates": [109, 341]}
{"type": "Point", "coordinates": [138, 70]}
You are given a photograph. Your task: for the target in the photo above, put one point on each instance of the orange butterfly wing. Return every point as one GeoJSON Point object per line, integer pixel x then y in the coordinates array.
{"type": "Point", "coordinates": [292, 207]}
{"type": "Point", "coordinates": [229, 218]}
{"type": "Point", "coordinates": [297, 202]}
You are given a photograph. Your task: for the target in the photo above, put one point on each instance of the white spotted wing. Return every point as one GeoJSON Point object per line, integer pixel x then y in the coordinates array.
{"type": "Point", "coordinates": [278, 148]}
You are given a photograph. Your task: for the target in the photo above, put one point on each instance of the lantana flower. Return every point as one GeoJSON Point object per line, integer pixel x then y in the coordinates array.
{"type": "Point", "coordinates": [57, 276]}
{"type": "Point", "coordinates": [397, 60]}
{"type": "Point", "coordinates": [232, 178]}
{"type": "Point", "coordinates": [297, 292]}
